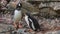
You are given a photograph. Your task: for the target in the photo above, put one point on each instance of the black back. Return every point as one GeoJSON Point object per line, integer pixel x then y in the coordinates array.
{"type": "Point", "coordinates": [35, 22]}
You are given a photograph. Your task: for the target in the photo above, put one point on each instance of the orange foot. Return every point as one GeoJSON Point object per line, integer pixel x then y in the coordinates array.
{"type": "Point", "coordinates": [20, 26]}
{"type": "Point", "coordinates": [30, 30]}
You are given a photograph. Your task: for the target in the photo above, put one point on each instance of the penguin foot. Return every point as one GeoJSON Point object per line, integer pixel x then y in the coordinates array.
{"type": "Point", "coordinates": [30, 30]}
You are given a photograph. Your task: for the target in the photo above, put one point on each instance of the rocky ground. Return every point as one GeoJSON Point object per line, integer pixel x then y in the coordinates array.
{"type": "Point", "coordinates": [48, 26]}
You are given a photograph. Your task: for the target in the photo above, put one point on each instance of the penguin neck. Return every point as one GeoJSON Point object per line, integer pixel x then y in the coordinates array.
{"type": "Point", "coordinates": [17, 10]}
{"type": "Point", "coordinates": [26, 16]}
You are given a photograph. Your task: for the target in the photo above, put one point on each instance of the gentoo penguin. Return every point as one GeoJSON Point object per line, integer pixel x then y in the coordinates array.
{"type": "Point", "coordinates": [32, 22]}
{"type": "Point", "coordinates": [17, 14]}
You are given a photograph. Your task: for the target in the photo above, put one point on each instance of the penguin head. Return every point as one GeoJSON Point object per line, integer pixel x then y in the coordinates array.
{"type": "Point", "coordinates": [28, 13]}
{"type": "Point", "coordinates": [19, 6]}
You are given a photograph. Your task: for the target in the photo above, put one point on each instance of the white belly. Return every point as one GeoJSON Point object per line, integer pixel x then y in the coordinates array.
{"type": "Point", "coordinates": [26, 19]}
{"type": "Point", "coordinates": [17, 15]}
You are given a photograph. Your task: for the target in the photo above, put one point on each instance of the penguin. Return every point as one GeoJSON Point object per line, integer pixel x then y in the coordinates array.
{"type": "Point", "coordinates": [17, 14]}
{"type": "Point", "coordinates": [32, 22]}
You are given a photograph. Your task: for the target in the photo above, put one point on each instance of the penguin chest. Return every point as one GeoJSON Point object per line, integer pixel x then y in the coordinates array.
{"type": "Point", "coordinates": [26, 19]}
{"type": "Point", "coordinates": [17, 15]}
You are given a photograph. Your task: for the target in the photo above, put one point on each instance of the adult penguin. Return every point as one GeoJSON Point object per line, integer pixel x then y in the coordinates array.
{"type": "Point", "coordinates": [32, 22]}
{"type": "Point", "coordinates": [17, 15]}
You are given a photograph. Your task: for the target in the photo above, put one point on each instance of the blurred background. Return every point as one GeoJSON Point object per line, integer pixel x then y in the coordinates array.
{"type": "Point", "coordinates": [47, 12]}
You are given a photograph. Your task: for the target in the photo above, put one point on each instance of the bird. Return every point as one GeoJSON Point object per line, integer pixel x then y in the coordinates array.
{"type": "Point", "coordinates": [17, 14]}
{"type": "Point", "coordinates": [32, 22]}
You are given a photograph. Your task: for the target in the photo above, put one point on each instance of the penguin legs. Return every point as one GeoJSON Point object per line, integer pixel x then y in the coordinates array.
{"type": "Point", "coordinates": [30, 30]}
{"type": "Point", "coordinates": [17, 25]}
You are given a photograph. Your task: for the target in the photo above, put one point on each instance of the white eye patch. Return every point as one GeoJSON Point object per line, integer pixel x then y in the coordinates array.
{"type": "Point", "coordinates": [19, 5]}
